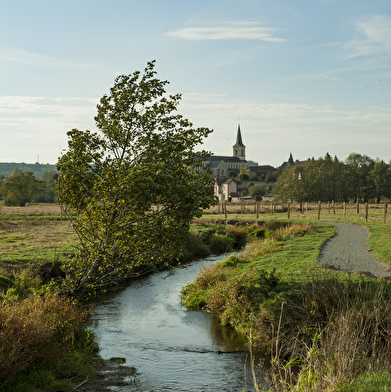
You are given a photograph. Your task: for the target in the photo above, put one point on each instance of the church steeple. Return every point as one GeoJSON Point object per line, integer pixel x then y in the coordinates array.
{"type": "Point", "coordinates": [239, 149]}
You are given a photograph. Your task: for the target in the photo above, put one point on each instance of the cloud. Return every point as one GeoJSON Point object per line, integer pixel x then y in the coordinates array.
{"type": "Point", "coordinates": [38, 125]}
{"type": "Point", "coordinates": [377, 37]}
{"type": "Point", "coordinates": [377, 29]}
{"type": "Point", "coordinates": [220, 33]}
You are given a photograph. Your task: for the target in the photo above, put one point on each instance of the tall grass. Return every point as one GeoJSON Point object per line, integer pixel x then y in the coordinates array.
{"type": "Point", "coordinates": [334, 330]}
{"type": "Point", "coordinates": [39, 330]}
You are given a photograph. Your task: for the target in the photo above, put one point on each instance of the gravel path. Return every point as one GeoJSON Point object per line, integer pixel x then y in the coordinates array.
{"type": "Point", "coordinates": [347, 251]}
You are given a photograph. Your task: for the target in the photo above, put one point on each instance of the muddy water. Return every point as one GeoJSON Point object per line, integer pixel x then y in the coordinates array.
{"type": "Point", "coordinates": [173, 349]}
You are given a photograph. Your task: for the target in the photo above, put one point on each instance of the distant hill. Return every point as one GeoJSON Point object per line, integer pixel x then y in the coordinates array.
{"type": "Point", "coordinates": [37, 168]}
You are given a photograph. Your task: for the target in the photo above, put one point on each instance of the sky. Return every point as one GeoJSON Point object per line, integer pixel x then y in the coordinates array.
{"type": "Point", "coordinates": [305, 77]}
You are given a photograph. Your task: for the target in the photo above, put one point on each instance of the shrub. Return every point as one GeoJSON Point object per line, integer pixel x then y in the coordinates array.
{"type": "Point", "coordinates": [37, 330]}
{"type": "Point", "coordinates": [220, 243]}
{"type": "Point", "coordinates": [239, 234]}
{"type": "Point", "coordinates": [194, 248]}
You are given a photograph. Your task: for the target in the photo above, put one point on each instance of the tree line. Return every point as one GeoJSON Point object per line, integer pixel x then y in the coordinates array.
{"type": "Point", "coordinates": [359, 179]}
{"type": "Point", "coordinates": [22, 187]}
{"type": "Point", "coordinates": [38, 169]}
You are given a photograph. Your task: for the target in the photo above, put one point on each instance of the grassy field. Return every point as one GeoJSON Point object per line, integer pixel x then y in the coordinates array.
{"type": "Point", "coordinates": [34, 233]}
{"type": "Point", "coordinates": [379, 239]}
{"type": "Point", "coordinates": [37, 232]}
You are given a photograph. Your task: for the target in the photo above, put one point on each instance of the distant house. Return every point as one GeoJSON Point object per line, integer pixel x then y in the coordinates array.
{"type": "Point", "coordinates": [225, 188]}
{"type": "Point", "coordinates": [259, 173]}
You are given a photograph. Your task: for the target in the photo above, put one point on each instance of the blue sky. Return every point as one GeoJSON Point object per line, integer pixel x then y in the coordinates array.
{"type": "Point", "coordinates": [307, 77]}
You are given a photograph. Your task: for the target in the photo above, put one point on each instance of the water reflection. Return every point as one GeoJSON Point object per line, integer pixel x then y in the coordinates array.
{"type": "Point", "coordinates": [172, 348]}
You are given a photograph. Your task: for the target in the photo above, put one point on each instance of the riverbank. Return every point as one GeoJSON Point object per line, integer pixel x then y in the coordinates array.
{"type": "Point", "coordinates": [296, 262]}
{"type": "Point", "coordinates": [305, 316]}
{"type": "Point", "coordinates": [30, 267]}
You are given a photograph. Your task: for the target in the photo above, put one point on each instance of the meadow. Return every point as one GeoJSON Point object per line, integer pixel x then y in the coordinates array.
{"type": "Point", "coordinates": [256, 292]}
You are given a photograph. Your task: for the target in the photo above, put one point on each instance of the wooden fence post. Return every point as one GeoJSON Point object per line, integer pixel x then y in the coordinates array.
{"type": "Point", "coordinates": [357, 208]}
{"type": "Point", "coordinates": [289, 210]}
{"type": "Point", "coordinates": [344, 210]}
{"type": "Point", "coordinates": [257, 208]}
{"type": "Point", "coordinates": [319, 208]}
{"type": "Point", "coordinates": [333, 207]}
{"type": "Point", "coordinates": [385, 212]}
{"type": "Point", "coordinates": [225, 209]}
{"type": "Point", "coordinates": [329, 206]}
{"type": "Point", "coordinates": [366, 212]}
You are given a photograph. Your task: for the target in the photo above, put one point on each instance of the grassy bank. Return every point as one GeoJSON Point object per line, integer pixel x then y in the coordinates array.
{"type": "Point", "coordinates": [324, 330]}
{"type": "Point", "coordinates": [44, 338]}
{"type": "Point", "coordinates": [300, 313]}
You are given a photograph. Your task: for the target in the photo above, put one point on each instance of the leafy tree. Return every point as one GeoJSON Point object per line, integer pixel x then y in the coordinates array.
{"type": "Point", "coordinates": [257, 191]}
{"type": "Point", "coordinates": [244, 175]}
{"type": "Point", "coordinates": [272, 176]}
{"type": "Point", "coordinates": [20, 188]}
{"type": "Point", "coordinates": [381, 177]}
{"type": "Point", "coordinates": [48, 192]}
{"type": "Point", "coordinates": [132, 187]}
{"type": "Point", "coordinates": [358, 176]}
{"type": "Point", "coordinates": [232, 173]}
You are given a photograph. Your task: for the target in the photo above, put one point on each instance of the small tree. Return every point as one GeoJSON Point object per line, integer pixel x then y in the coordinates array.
{"type": "Point", "coordinates": [132, 187]}
{"type": "Point", "coordinates": [257, 191]}
{"type": "Point", "coordinates": [48, 190]}
{"type": "Point", "coordinates": [20, 188]}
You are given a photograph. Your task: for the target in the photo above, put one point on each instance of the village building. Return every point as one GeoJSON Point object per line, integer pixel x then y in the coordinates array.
{"type": "Point", "coordinates": [222, 165]}
{"type": "Point", "coordinates": [224, 168]}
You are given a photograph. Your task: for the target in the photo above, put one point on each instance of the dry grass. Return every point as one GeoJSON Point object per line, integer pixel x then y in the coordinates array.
{"type": "Point", "coordinates": [310, 211]}
{"type": "Point", "coordinates": [32, 234]}
{"type": "Point", "coordinates": [335, 330]}
{"type": "Point", "coordinates": [40, 209]}
{"type": "Point", "coordinates": [37, 330]}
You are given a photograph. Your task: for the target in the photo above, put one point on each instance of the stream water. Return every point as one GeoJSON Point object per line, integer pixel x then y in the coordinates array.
{"type": "Point", "coordinates": [173, 349]}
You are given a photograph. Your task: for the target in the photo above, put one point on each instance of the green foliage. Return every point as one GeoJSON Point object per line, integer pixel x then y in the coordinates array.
{"type": "Point", "coordinates": [195, 300]}
{"type": "Point", "coordinates": [369, 382]}
{"type": "Point", "coordinates": [239, 234]}
{"type": "Point", "coordinates": [257, 191]}
{"type": "Point", "coordinates": [20, 188]}
{"type": "Point", "coordinates": [194, 248]}
{"type": "Point", "coordinates": [40, 330]}
{"type": "Point", "coordinates": [244, 175]}
{"type": "Point", "coordinates": [359, 178]}
{"type": "Point", "coordinates": [220, 243]}
{"type": "Point", "coordinates": [132, 188]}
{"type": "Point", "coordinates": [38, 169]}
{"type": "Point", "coordinates": [48, 188]}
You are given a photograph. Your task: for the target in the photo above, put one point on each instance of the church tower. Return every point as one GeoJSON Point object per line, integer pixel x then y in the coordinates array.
{"type": "Point", "coordinates": [239, 149]}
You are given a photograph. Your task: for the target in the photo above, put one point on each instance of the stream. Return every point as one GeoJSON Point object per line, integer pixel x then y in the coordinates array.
{"type": "Point", "coordinates": [173, 349]}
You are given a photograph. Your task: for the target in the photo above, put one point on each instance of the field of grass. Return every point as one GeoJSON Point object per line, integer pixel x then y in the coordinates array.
{"type": "Point", "coordinates": [31, 234]}
{"type": "Point", "coordinates": [379, 239]}
{"type": "Point", "coordinates": [283, 266]}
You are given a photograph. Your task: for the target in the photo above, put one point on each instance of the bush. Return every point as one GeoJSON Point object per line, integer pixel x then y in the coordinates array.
{"type": "Point", "coordinates": [239, 234]}
{"type": "Point", "coordinates": [194, 248]}
{"type": "Point", "coordinates": [220, 243]}
{"type": "Point", "coordinates": [37, 330]}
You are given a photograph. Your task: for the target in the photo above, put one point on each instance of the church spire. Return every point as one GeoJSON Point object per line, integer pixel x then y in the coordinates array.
{"type": "Point", "coordinates": [239, 138]}
{"type": "Point", "coordinates": [239, 149]}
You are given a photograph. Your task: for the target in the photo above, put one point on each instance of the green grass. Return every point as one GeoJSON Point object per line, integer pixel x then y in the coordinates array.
{"type": "Point", "coordinates": [369, 382]}
{"type": "Point", "coordinates": [25, 241]}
